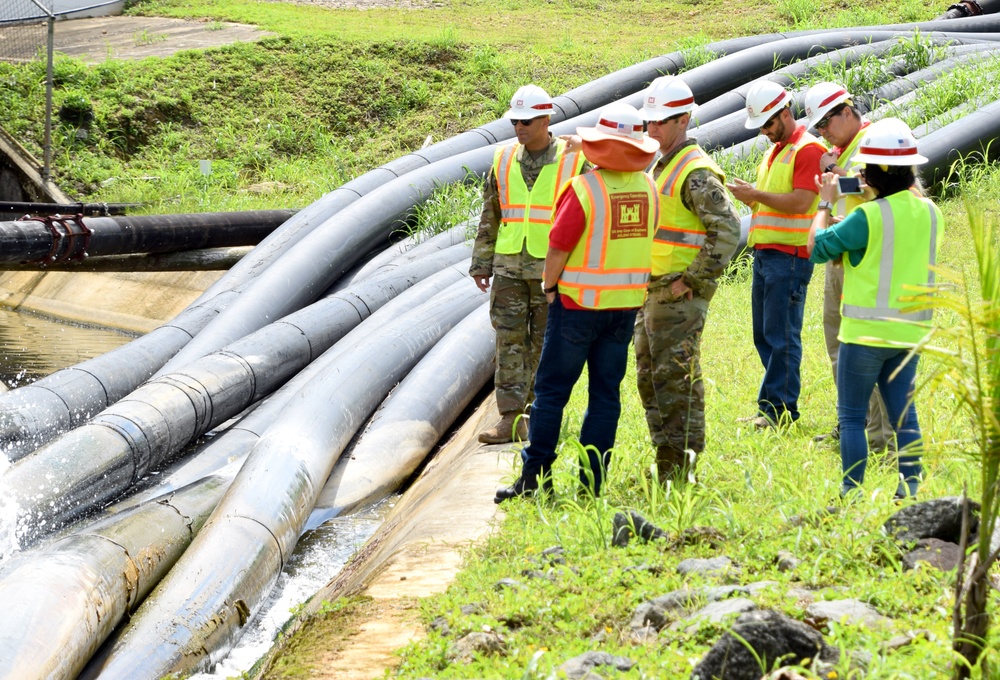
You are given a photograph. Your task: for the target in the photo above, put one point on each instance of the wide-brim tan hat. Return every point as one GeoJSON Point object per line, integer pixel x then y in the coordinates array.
{"type": "Point", "coordinates": [619, 122]}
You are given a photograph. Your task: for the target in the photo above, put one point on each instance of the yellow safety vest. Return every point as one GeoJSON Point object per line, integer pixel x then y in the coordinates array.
{"type": "Point", "coordinates": [609, 267]}
{"type": "Point", "coordinates": [846, 204]}
{"type": "Point", "coordinates": [894, 261]}
{"type": "Point", "coordinates": [769, 225]}
{"type": "Point", "coordinates": [679, 233]}
{"type": "Point", "coordinates": [527, 215]}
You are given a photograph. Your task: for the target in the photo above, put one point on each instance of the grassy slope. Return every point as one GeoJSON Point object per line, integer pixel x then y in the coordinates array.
{"type": "Point", "coordinates": [342, 91]}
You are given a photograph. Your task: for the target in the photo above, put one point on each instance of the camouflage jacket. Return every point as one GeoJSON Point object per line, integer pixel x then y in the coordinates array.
{"type": "Point", "coordinates": [705, 195]}
{"type": "Point", "coordinates": [485, 260]}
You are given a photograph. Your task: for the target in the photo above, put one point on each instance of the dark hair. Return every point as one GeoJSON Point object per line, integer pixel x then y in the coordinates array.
{"type": "Point", "coordinates": [892, 180]}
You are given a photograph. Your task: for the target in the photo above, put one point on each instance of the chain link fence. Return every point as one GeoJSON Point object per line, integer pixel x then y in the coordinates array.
{"type": "Point", "coordinates": [23, 29]}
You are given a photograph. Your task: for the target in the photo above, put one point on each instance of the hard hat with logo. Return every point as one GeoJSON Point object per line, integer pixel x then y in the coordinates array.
{"type": "Point", "coordinates": [665, 97]}
{"type": "Point", "coordinates": [619, 122]}
{"type": "Point", "coordinates": [530, 101]}
{"type": "Point", "coordinates": [764, 99]}
{"type": "Point", "coordinates": [889, 142]}
{"type": "Point", "coordinates": [821, 98]}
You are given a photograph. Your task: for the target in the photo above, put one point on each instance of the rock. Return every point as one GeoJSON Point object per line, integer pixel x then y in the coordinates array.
{"type": "Point", "coordinates": [648, 615]}
{"type": "Point", "coordinates": [941, 555]}
{"type": "Point", "coordinates": [845, 611]}
{"type": "Point", "coordinates": [758, 586]}
{"type": "Point", "coordinates": [938, 518]}
{"type": "Point", "coordinates": [801, 595]}
{"type": "Point", "coordinates": [762, 635]}
{"type": "Point", "coordinates": [787, 561]}
{"type": "Point", "coordinates": [463, 649]}
{"type": "Point", "coordinates": [551, 556]}
{"type": "Point", "coordinates": [508, 583]}
{"type": "Point", "coordinates": [579, 667]}
{"type": "Point", "coordinates": [716, 612]}
{"type": "Point", "coordinates": [690, 597]}
{"type": "Point", "coordinates": [715, 566]}
{"type": "Point", "coordinates": [623, 527]}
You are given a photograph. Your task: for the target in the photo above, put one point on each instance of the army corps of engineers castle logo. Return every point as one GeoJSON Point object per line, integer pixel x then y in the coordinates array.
{"type": "Point", "coordinates": [629, 216]}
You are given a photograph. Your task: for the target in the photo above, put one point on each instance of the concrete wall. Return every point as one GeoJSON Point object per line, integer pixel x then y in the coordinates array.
{"type": "Point", "coordinates": [126, 301]}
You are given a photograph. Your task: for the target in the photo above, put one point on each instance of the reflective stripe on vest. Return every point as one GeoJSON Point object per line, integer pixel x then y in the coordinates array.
{"type": "Point", "coordinates": [679, 234]}
{"type": "Point", "coordinates": [773, 226]}
{"type": "Point", "coordinates": [526, 216]}
{"type": "Point", "coordinates": [609, 267]}
{"type": "Point", "coordinates": [878, 322]}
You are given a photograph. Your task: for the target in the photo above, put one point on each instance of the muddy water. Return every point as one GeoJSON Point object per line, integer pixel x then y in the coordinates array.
{"type": "Point", "coordinates": [31, 347]}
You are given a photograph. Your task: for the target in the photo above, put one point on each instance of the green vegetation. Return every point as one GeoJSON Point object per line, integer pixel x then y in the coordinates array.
{"type": "Point", "coordinates": [338, 92]}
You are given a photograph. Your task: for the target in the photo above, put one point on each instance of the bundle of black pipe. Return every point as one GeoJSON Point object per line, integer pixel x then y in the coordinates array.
{"type": "Point", "coordinates": [95, 463]}
{"type": "Point", "coordinates": [256, 525]}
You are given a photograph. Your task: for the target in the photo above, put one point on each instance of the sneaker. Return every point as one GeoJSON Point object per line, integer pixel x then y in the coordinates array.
{"type": "Point", "coordinates": [763, 423]}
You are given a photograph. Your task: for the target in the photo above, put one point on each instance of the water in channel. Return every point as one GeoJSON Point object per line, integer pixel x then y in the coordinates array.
{"type": "Point", "coordinates": [32, 347]}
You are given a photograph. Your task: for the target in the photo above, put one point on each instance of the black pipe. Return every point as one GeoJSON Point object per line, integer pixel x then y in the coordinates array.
{"type": "Point", "coordinates": [57, 239]}
{"type": "Point", "coordinates": [87, 209]}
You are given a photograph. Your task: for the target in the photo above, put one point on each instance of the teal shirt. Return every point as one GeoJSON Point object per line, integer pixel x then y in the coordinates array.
{"type": "Point", "coordinates": [850, 236]}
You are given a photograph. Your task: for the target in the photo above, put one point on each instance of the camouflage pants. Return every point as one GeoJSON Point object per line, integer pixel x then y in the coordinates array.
{"type": "Point", "coordinates": [518, 310]}
{"type": "Point", "coordinates": [668, 369]}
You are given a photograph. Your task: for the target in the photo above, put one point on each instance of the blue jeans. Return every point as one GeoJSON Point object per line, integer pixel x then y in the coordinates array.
{"type": "Point", "coordinates": [599, 339]}
{"type": "Point", "coordinates": [859, 369]}
{"type": "Point", "coordinates": [778, 301]}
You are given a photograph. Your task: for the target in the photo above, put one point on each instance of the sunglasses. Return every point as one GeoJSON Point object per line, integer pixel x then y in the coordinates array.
{"type": "Point", "coordinates": [825, 120]}
{"type": "Point", "coordinates": [525, 122]}
{"type": "Point", "coordinates": [770, 121]}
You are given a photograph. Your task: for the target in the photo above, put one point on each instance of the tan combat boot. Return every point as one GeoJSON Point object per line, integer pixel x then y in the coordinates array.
{"type": "Point", "coordinates": [512, 427]}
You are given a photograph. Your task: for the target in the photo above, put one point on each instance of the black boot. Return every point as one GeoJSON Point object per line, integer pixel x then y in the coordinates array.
{"type": "Point", "coordinates": [525, 485]}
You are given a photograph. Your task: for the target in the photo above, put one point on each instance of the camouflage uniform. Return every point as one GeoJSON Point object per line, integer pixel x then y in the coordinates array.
{"type": "Point", "coordinates": [518, 308]}
{"type": "Point", "coordinates": [668, 329]}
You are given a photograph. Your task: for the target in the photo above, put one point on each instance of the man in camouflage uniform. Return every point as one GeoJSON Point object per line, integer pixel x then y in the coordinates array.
{"type": "Point", "coordinates": [510, 247]}
{"type": "Point", "coordinates": [697, 235]}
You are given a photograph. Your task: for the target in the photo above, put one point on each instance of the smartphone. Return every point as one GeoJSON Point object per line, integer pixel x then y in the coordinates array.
{"type": "Point", "coordinates": [849, 185]}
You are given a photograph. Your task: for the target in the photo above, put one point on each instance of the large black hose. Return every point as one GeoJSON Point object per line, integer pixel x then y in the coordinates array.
{"type": "Point", "coordinates": [62, 601]}
{"type": "Point", "coordinates": [973, 135]}
{"type": "Point", "coordinates": [94, 463]}
{"type": "Point", "coordinates": [236, 440]}
{"type": "Point", "coordinates": [196, 611]}
{"type": "Point", "coordinates": [57, 239]}
{"type": "Point", "coordinates": [412, 420]}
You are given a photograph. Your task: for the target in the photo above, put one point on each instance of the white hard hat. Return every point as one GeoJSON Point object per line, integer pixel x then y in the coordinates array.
{"type": "Point", "coordinates": [665, 97]}
{"type": "Point", "coordinates": [529, 102]}
{"type": "Point", "coordinates": [889, 142]}
{"type": "Point", "coordinates": [764, 99]}
{"type": "Point", "coordinates": [821, 98]}
{"type": "Point", "coordinates": [621, 122]}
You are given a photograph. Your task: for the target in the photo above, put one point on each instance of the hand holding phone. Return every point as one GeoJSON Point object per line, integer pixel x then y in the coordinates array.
{"type": "Point", "coordinates": [849, 185]}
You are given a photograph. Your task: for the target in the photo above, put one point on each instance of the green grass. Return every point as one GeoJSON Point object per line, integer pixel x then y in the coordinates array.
{"type": "Point", "coordinates": [339, 92]}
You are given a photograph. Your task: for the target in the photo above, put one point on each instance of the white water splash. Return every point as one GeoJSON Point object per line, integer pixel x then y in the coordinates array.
{"type": "Point", "coordinates": [8, 516]}
{"type": "Point", "coordinates": [318, 557]}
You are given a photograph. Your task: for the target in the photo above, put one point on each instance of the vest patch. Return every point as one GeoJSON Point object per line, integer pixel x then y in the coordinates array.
{"type": "Point", "coordinates": [629, 216]}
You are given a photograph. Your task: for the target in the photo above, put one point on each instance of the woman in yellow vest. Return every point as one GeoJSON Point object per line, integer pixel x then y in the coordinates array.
{"type": "Point", "coordinates": [887, 247]}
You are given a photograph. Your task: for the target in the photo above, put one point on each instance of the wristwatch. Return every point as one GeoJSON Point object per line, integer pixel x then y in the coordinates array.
{"type": "Point", "coordinates": [825, 205]}
{"type": "Point", "coordinates": [830, 167]}
{"type": "Point", "coordinates": [553, 289]}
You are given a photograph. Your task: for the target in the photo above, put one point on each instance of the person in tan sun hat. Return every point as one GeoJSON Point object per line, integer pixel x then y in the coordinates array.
{"type": "Point", "coordinates": [596, 271]}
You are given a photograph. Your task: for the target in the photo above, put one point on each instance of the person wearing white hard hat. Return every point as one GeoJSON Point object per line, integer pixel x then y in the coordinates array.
{"type": "Point", "coordinates": [889, 247]}
{"type": "Point", "coordinates": [830, 109]}
{"type": "Point", "coordinates": [510, 248]}
{"type": "Point", "coordinates": [596, 272]}
{"type": "Point", "coordinates": [696, 237]}
{"type": "Point", "coordinates": [783, 202]}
